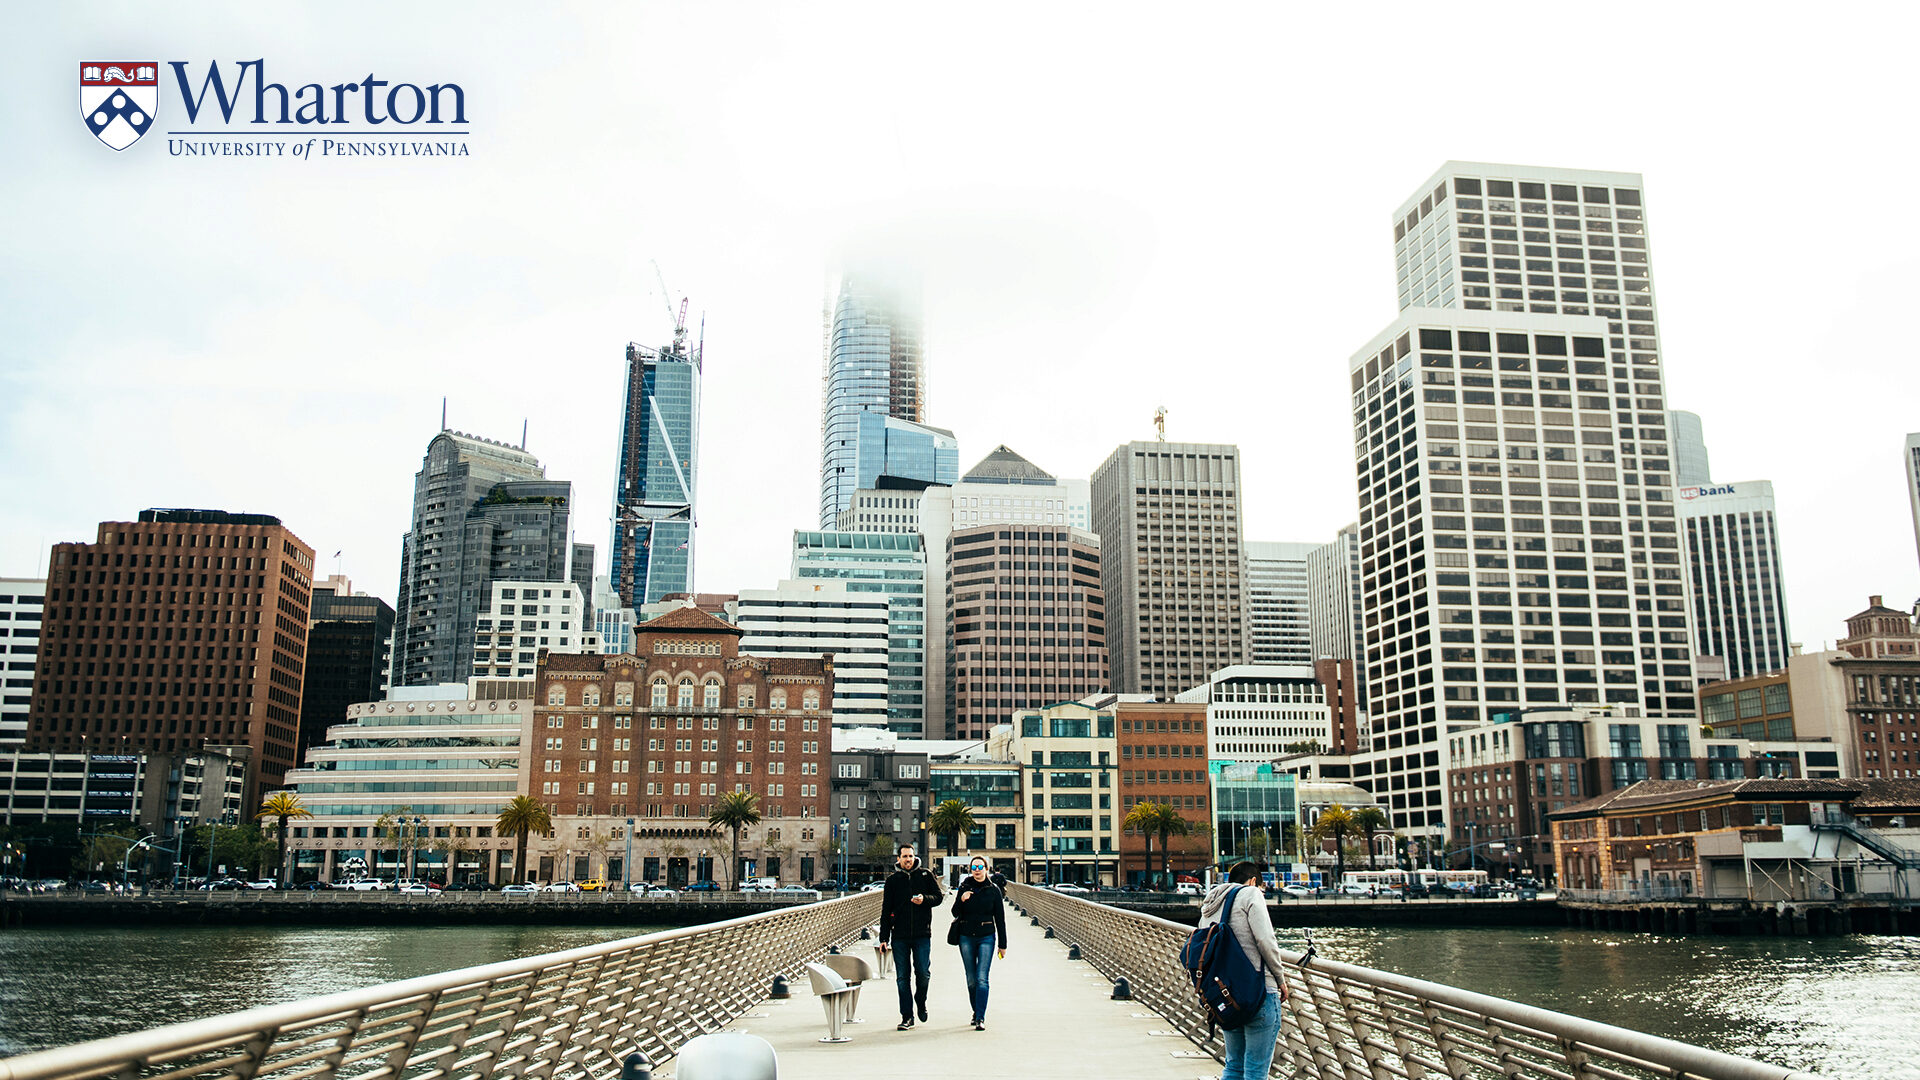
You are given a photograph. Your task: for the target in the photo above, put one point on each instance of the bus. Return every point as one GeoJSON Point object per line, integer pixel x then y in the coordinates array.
{"type": "Point", "coordinates": [1393, 882]}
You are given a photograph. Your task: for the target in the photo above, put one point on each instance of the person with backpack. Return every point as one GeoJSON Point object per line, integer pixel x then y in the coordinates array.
{"type": "Point", "coordinates": [1240, 905]}
{"type": "Point", "coordinates": [979, 918]}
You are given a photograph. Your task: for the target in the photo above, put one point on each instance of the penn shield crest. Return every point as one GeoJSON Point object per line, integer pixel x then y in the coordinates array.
{"type": "Point", "coordinates": [118, 99]}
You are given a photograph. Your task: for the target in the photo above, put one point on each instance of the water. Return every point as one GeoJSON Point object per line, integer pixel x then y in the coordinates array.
{"type": "Point", "coordinates": [1842, 1007]}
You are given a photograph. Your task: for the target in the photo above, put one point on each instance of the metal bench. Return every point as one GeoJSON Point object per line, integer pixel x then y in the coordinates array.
{"type": "Point", "coordinates": [727, 1055]}
{"type": "Point", "coordinates": [855, 971]}
{"type": "Point", "coordinates": [836, 997]}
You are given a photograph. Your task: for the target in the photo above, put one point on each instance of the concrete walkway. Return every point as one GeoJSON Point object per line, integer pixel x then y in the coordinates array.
{"type": "Point", "coordinates": [1047, 1016]}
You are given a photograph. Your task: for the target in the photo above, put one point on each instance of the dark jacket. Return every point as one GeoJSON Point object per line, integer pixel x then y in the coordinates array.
{"type": "Point", "coordinates": [900, 918]}
{"type": "Point", "coordinates": [983, 912]}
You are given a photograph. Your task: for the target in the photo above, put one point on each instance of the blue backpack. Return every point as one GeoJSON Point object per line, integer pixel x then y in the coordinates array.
{"type": "Point", "coordinates": [1231, 989]}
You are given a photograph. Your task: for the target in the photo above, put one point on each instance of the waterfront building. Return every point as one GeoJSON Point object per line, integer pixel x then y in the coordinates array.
{"type": "Point", "coordinates": [524, 618]}
{"type": "Point", "coordinates": [349, 639]}
{"type": "Point", "coordinates": [892, 567]}
{"type": "Point", "coordinates": [1506, 776]}
{"type": "Point", "coordinates": [1026, 621]}
{"type": "Point", "coordinates": [160, 790]}
{"type": "Point", "coordinates": [1258, 712]}
{"type": "Point", "coordinates": [412, 784]}
{"type": "Point", "coordinates": [874, 364]}
{"type": "Point", "coordinates": [22, 600]}
{"type": "Point", "coordinates": [1163, 759]}
{"type": "Point", "coordinates": [211, 609]}
{"type": "Point", "coordinates": [991, 790]}
{"type": "Point", "coordinates": [880, 798]}
{"type": "Point", "coordinates": [1540, 561]}
{"type": "Point", "coordinates": [457, 472]}
{"type": "Point", "coordinates": [1761, 841]}
{"type": "Point", "coordinates": [1174, 570]}
{"type": "Point", "coordinates": [657, 473]}
{"type": "Point", "coordinates": [658, 735]}
{"type": "Point", "coordinates": [1691, 465]}
{"type": "Point", "coordinates": [1255, 807]}
{"type": "Point", "coordinates": [1911, 462]}
{"type": "Point", "coordinates": [1069, 755]}
{"type": "Point", "coordinates": [825, 620]}
{"type": "Point", "coordinates": [1278, 624]}
{"type": "Point", "coordinates": [1739, 599]}
{"type": "Point", "coordinates": [1334, 630]}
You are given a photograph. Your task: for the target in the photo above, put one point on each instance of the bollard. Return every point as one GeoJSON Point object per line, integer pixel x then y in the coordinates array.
{"type": "Point", "coordinates": [1036, 920]}
{"type": "Point", "coordinates": [833, 950]}
{"type": "Point", "coordinates": [780, 989]}
{"type": "Point", "coordinates": [1049, 931]}
{"type": "Point", "coordinates": [866, 932]}
{"type": "Point", "coordinates": [636, 1067]}
{"type": "Point", "coordinates": [1073, 952]}
{"type": "Point", "coordinates": [1122, 990]}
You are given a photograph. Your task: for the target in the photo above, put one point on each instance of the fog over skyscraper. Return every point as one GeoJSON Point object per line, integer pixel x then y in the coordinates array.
{"type": "Point", "coordinates": [874, 364]}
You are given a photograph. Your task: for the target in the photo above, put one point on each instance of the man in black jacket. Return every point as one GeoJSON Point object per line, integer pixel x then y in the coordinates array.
{"type": "Point", "coordinates": [906, 926]}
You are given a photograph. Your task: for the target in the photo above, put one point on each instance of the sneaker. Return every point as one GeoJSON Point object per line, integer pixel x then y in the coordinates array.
{"type": "Point", "coordinates": [905, 1023]}
{"type": "Point", "coordinates": [979, 1025]}
{"type": "Point", "coordinates": [923, 1013]}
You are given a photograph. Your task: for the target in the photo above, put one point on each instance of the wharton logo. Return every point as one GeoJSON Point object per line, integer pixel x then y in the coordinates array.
{"type": "Point", "coordinates": [118, 100]}
{"type": "Point", "coordinates": [235, 110]}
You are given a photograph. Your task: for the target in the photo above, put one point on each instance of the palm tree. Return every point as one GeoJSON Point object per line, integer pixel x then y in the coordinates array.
{"type": "Point", "coordinates": [282, 805]}
{"type": "Point", "coordinates": [1157, 818]}
{"type": "Point", "coordinates": [1369, 820]}
{"type": "Point", "coordinates": [736, 810]}
{"type": "Point", "coordinates": [525, 814]}
{"type": "Point", "coordinates": [952, 820]}
{"type": "Point", "coordinates": [1336, 822]}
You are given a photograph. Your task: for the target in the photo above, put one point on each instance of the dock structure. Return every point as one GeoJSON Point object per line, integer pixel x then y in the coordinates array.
{"type": "Point", "coordinates": [630, 1007]}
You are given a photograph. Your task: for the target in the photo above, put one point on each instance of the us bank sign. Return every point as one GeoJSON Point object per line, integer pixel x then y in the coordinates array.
{"type": "Point", "coordinates": [239, 112]}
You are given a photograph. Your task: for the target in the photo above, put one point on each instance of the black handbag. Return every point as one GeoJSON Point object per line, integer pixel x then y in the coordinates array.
{"type": "Point", "coordinates": [953, 932]}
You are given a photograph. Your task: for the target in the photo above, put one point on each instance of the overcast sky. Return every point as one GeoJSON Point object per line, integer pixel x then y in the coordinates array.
{"type": "Point", "coordinates": [1117, 207]}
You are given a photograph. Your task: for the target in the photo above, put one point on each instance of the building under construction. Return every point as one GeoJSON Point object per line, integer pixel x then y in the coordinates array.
{"type": "Point", "coordinates": [653, 491]}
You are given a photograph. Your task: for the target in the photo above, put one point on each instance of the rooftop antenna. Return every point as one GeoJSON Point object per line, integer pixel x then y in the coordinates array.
{"type": "Point", "coordinates": [523, 433]}
{"type": "Point", "coordinates": [443, 414]}
{"type": "Point", "coordinates": [1160, 422]}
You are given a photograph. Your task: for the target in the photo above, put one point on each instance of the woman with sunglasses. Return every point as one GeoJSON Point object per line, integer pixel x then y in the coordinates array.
{"type": "Point", "coordinates": [979, 916]}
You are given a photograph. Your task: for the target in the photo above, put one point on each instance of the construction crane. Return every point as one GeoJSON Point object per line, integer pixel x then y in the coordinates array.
{"type": "Point", "coordinates": [680, 320]}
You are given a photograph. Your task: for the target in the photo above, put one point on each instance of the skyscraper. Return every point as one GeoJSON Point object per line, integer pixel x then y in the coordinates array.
{"type": "Point", "coordinates": [896, 454]}
{"type": "Point", "coordinates": [348, 638]}
{"type": "Point", "coordinates": [1026, 622]}
{"type": "Point", "coordinates": [874, 365]}
{"type": "Point", "coordinates": [1172, 566]}
{"type": "Point", "coordinates": [825, 619]}
{"type": "Point", "coordinates": [1333, 604]}
{"type": "Point", "coordinates": [1739, 603]}
{"type": "Point", "coordinates": [214, 607]}
{"type": "Point", "coordinates": [892, 567]}
{"type": "Point", "coordinates": [22, 601]}
{"type": "Point", "coordinates": [1690, 462]}
{"type": "Point", "coordinates": [1278, 630]}
{"type": "Point", "coordinates": [1519, 543]}
{"type": "Point", "coordinates": [1912, 471]}
{"type": "Point", "coordinates": [482, 512]}
{"type": "Point", "coordinates": [658, 472]}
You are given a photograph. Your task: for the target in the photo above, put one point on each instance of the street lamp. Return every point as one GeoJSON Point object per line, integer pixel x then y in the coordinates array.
{"type": "Point", "coordinates": [626, 865]}
{"type": "Point", "coordinates": [1046, 846]}
{"type": "Point", "coordinates": [843, 852]}
{"type": "Point", "coordinates": [126, 860]}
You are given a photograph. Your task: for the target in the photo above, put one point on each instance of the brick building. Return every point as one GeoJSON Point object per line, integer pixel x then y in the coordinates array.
{"type": "Point", "coordinates": [656, 736]}
{"type": "Point", "coordinates": [182, 629]}
{"type": "Point", "coordinates": [1163, 759]}
{"type": "Point", "coordinates": [1349, 725]}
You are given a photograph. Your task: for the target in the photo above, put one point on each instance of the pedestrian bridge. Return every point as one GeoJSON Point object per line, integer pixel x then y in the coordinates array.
{"type": "Point", "coordinates": [579, 1014]}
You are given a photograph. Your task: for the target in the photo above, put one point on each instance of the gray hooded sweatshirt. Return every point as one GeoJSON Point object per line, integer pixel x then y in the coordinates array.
{"type": "Point", "coordinates": [1252, 927]}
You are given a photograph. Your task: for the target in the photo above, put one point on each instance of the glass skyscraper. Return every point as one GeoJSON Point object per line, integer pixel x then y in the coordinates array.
{"type": "Point", "coordinates": [874, 365]}
{"type": "Point", "coordinates": [900, 454]}
{"type": "Point", "coordinates": [654, 488]}
{"type": "Point", "coordinates": [893, 565]}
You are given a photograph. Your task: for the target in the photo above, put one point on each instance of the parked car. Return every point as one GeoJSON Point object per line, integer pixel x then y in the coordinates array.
{"type": "Point", "coordinates": [873, 886]}
{"type": "Point", "coordinates": [1354, 888]}
{"type": "Point", "coordinates": [475, 885]}
{"type": "Point", "coordinates": [418, 888]}
{"type": "Point", "coordinates": [94, 886]}
{"type": "Point", "coordinates": [225, 884]}
{"type": "Point", "coordinates": [654, 892]}
{"type": "Point", "coordinates": [1186, 888]}
{"type": "Point", "coordinates": [704, 886]}
{"type": "Point", "coordinates": [519, 888]}
{"type": "Point", "coordinates": [797, 892]}
{"type": "Point", "coordinates": [263, 885]}
{"type": "Point", "coordinates": [829, 885]}
{"type": "Point", "coordinates": [1416, 891]}
{"type": "Point", "coordinates": [1069, 887]}
{"type": "Point", "coordinates": [563, 886]}
{"type": "Point", "coordinates": [592, 884]}
{"type": "Point", "coordinates": [1299, 892]}
{"type": "Point", "coordinates": [364, 885]}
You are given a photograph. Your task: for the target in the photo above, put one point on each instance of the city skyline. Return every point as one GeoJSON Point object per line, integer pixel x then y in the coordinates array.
{"type": "Point", "coordinates": [1052, 288]}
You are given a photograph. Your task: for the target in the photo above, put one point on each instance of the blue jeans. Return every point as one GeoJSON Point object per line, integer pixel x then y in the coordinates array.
{"type": "Point", "coordinates": [1250, 1048]}
{"type": "Point", "coordinates": [976, 956]}
{"type": "Point", "coordinates": [917, 955]}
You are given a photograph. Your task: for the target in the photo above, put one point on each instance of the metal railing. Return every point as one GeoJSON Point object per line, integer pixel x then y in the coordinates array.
{"type": "Point", "coordinates": [1355, 1023]}
{"type": "Point", "coordinates": [561, 1016]}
